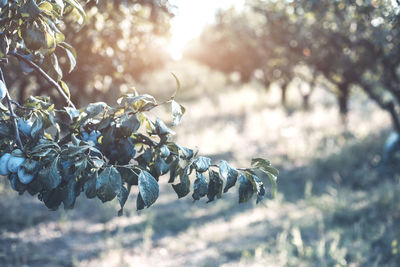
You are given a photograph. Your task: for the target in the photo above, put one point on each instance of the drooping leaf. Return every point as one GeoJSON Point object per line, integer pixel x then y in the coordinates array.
{"type": "Point", "coordinates": [129, 124]}
{"type": "Point", "coordinates": [229, 174]}
{"type": "Point", "coordinates": [148, 188]}
{"type": "Point", "coordinates": [214, 186]}
{"type": "Point", "coordinates": [181, 189]}
{"type": "Point", "coordinates": [122, 197]}
{"type": "Point", "coordinates": [37, 128]}
{"type": "Point", "coordinates": [139, 202]}
{"type": "Point", "coordinates": [90, 186]}
{"type": "Point", "coordinates": [200, 187]}
{"type": "Point", "coordinates": [71, 58]}
{"type": "Point", "coordinates": [52, 199]}
{"type": "Point", "coordinates": [161, 128]}
{"type": "Point", "coordinates": [173, 170]}
{"type": "Point", "coordinates": [260, 188]}
{"type": "Point", "coordinates": [177, 112]}
{"type": "Point", "coordinates": [50, 176]}
{"type": "Point", "coordinates": [201, 164]}
{"type": "Point", "coordinates": [161, 166]}
{"type": "Point", "coordinates": [128, 175]}
{"type": "Point", "coordinates": [69, 194]}
{"type": "Point", "coordinates": [108, 184]}
{"type": "Point", "coordinates": [246, 190]}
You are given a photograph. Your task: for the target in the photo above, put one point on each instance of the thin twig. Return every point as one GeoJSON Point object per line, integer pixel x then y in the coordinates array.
{"type": "Point", "coordinates": [12, 114]}
{"type": "Point", "coordinates": [45, 75]}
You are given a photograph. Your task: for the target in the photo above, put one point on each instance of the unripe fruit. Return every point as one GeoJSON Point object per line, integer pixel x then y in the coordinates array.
{"type": "Point", "coordinates": [14, 163]}
{"type": "Point", "coordinates": [25, 177]}
{"type": "Point", "coordinates": [3, 90]}
{"type": "Point", "coordinates": [3, 164]}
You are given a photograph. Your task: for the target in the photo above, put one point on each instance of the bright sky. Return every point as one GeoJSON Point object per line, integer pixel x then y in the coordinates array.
{"type": "Point", "coordinates": [190, 19]}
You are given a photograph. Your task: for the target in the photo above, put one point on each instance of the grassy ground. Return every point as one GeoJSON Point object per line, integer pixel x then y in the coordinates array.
{"type": "Point", "coordinates": [334, 208]}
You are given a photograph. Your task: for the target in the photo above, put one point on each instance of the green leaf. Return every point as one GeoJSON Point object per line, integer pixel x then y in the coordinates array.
{"type": "Point", "coordinates": [69, 194]}
{"type": "Point", "coordinates": [164, 151]}
{"type": "Point", "coordinates": [200, 187]}
{"type": "Point", "coordinates": [181, 189]}
{"type": "Point", "coordinates": [60, 4]}
{"type": "Point", "coordinates": [161, 166]}
{"type": "Point", "coordinates": [71, 58]}
{"type": "Point", "coordinates": [201, 164]}
{"type": "Point", "coordinates": [52, 199]}
{"type": "Point", "coordinates": [173, 170]}
{"type": "Point", "coordinates": [37, 128]}
{"type": "Point", "coordinates": [94, 109]}
{"type": "Point", "coordinates": [50, 176]}
{"type": "Point", "coordinates": [72, 112]}
{"type": "Point", "coordinates": [90, 186]}
{"type": "Point", "coordinates": [129, 124]}
{"type": "Point", "coordinates": [122, 197]}
{"type": "Point", "coordinates": [128, 176]}
{"type": "Point", "coordinates": [108, 184]}
{"type": "Point", "coordinates": [78, 7]}
{"type": "Point", "coordinates": [68, 47]}
{"type": "Point", "coordinates": [266, 176]}
{"type": "Point", "coordinates": [214, 186]}
{"type": "Point", "coordinates": [162, 129]}
{"type": "Point", "coordinates": [273, 179]}
{"type": "Point", "coordinates": [65, 88]}
{"type": "Point", "coordinates": [246, 190]}
{"type": "Point", "coordinates": [260, 163]}
{"type": "Point", "coordinates": [148, 188]}
{"type": "Point", "coordinates": [138, 103]}
{"type": "Point", "coordinates": [260, 188]}
{"type": "Point", "coordinates": [46, 7]}
{"type": "Point", "coordinates": [229, 174]}
{"type": "Point", "coordinates": [30, 9]}
{"type": "Point", "coordinates": [56, 67]}
{"type": "Point", "coordinates": [139, 202]}
{"type": "Point", "coordinates": [177, 112]}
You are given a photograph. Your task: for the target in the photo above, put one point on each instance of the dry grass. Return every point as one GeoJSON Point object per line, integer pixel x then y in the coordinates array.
{"type": "Point", "coordinates": [332, 209]}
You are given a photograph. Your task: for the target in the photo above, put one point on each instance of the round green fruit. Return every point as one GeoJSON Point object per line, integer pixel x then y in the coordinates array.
{"type": "Point", "coordinates": [4, 164]}
{"type": "Point", "coordinates": [25, 177]}
{"type": "Point", "coordinates": [14, 163]}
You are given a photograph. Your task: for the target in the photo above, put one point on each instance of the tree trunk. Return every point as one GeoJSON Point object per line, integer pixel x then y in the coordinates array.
{"type": "Point", "coordinates": [343, 99]}
{"type": "Point", "coordinates": [306, 102]}
{"type": "Point", "coordinates": [284, 94]}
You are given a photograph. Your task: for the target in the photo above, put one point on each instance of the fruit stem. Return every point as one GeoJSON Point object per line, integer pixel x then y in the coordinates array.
{"type": "Point", "coordinates": [45, 75]}
{"type": "Point", "coordinates": [12, 114]}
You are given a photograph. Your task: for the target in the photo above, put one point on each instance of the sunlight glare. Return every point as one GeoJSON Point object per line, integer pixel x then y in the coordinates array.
{"type": "Point", "coordinates": [191, 17]}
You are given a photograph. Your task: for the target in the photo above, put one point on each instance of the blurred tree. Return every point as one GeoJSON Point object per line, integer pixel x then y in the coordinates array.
{"type": "Point", "coordinates": [344, 43]}
{"type": "Point", "coordinates": [350, 43]}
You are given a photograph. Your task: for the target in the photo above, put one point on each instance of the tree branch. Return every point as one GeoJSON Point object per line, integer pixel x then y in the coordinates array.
{"type": "Point", "coordinates": [12, 114]}
{"type": "Point", "coordinates": [45, 75]}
